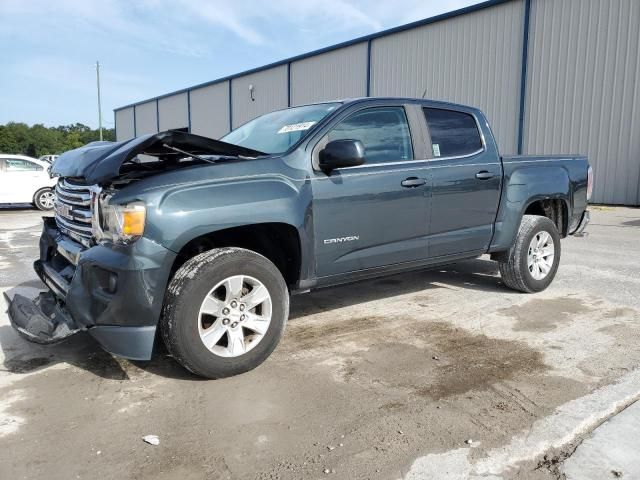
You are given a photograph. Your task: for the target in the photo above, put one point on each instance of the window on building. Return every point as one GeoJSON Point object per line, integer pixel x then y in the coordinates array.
{"type": "Point", "coordinates": [452, 133]}
{"type": "Point", "coordinates": [383, 131]}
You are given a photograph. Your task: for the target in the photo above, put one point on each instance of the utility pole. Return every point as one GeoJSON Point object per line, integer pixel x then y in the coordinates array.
{"type": "Point", "coordinates": [99, 103]}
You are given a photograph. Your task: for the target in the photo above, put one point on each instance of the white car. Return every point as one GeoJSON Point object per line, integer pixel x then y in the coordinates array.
{"type": "Point", "coordinates": [26, 180]}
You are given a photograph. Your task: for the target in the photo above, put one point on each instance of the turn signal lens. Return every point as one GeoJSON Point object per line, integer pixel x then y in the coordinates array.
{"type": "Point", "coordinates": [133, 217]}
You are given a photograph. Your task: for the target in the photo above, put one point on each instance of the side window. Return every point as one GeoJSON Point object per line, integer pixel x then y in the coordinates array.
{"type": "Point", "coordinates": [452, 133]}
{"type": "Point", "coordinates": [383, 131]}
{"type": "Point", "coordinates": [17, 165]}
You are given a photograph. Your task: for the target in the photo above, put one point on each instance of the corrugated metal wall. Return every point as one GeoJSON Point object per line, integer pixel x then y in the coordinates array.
{"type": "Point", "coordinates": [173, 112]}
{"type": "Point", "coordinates": [124, 124]}
{"type": "Point", "coordinates": [210, 110]}
{"type": "Point", "coordinates": [332, 75]}
{"type": "Point", "coordinates": [146, 118]}
{"type": "Point", "coordinates": [473, 59]}
{"type": "Point", "coordinates": [270, 93]}
{"type": "Point", "coordinates": [582, 89]}
{"type": "Point", "coordinates": [582, 86]}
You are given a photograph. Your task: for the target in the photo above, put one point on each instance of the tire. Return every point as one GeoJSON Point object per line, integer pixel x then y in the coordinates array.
{"type": "Point", "coordinates": [186, 323]}
{"type": "Point", "coordinates": [516, 269]}
{"type": "Point", "coordinates": [43, 199]}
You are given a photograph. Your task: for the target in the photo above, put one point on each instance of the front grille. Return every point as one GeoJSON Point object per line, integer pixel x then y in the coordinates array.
{"type": "Point", "coordinates": [73, 210]}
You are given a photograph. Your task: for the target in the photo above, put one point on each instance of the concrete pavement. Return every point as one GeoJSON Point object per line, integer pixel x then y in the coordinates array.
{"type": "Point", "coordinates": [383, 379]}
{"type": "Point", "coordinates": [611, 451]}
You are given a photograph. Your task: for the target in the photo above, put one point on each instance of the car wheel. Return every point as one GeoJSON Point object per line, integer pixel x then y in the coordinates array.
{"type": "Point", "coordinates": [225, 312]}
{"type": "Point", "coordinates": [532, 262]}
{"type": "Point", "coordinates": [44, 199]}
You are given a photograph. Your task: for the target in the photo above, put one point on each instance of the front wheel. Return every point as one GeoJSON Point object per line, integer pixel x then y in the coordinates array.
{"type": "Point", "coordinates": [532, 262]}
{"type": "Point", "coordinates": [44, 199]}
{"type": "Point", "coordinates": [225, 312]}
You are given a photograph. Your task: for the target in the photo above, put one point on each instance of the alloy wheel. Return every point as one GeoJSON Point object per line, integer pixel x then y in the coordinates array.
{"type": "Point", "coordinates": [234, 316]}
{"type": "Point", "coordinates": [540, 255]}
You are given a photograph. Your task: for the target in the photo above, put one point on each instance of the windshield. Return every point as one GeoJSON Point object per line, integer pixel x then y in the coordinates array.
{"type": "Point", "coordinates": [275, 132]}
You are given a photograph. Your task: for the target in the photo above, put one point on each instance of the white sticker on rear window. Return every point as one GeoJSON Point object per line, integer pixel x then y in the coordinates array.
{"type": "Point", "coordinates": [296, 127]}
{"type": "Point", "coordinates": [436, 149]}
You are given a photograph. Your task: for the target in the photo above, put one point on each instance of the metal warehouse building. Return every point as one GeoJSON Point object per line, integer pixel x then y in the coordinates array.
{"type": "Point", "coordinates": [553, 76]}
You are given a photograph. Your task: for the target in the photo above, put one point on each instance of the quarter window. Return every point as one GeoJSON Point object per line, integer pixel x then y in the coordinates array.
{"type": "Point", "coordinates": [17, 165]}
{"type": "Point", "coordinates": [383, 131]}
{"type": "Point", "coordinates": [452, 133]}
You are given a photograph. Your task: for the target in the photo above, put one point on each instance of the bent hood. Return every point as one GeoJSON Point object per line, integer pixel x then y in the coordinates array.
{"type": "Point", "coordinates": [97, 162]}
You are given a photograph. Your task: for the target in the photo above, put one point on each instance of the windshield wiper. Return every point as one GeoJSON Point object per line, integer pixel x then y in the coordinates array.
{"type": "Point", "coordinates": [192, 155]}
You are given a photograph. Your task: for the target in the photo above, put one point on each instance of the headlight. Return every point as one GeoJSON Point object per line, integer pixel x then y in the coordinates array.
{"type": "Point", "coordinates": [119, 223]}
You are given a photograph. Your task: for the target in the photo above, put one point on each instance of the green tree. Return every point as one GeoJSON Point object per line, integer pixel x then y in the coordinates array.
{"type": "Point", "coordinates": [37, 140]}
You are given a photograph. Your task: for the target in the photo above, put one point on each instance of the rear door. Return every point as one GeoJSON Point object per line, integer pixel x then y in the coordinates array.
{"type": "Point", "coordinates": [375, 214]}
{"type": "Point", "coordinates": [466, 179]}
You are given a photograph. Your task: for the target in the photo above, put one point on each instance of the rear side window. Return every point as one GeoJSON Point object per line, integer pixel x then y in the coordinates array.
{"type": "Point", "coordinates": [452, 133]}
{"type": "Point", "coordinates": [383, 131]}
{"type": "Point", "coordinates": [17, 165]}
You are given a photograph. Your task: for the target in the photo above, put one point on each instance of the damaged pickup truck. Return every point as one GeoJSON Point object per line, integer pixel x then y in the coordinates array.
{"type": "Point", "coordinates": [203, 241]}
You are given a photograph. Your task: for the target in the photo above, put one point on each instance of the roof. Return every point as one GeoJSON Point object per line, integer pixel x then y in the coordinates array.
{"type": "Point", "coordinates": [21, 157]}
{"type": "Point", "coordinates": [365, 38]}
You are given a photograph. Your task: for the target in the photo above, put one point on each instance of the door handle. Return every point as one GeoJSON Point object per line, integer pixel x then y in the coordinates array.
{"type": "Point", "coordinates": [413, 182]}
{"type": "Point", "coordinates": [484, 175]}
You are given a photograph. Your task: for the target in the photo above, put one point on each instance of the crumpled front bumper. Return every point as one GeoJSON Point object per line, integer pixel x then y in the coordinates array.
{"type": "Point", "coordinates": [113, 292]}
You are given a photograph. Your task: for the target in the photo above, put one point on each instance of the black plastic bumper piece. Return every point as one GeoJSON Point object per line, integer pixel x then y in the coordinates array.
{"type": "Point", "coordinates": [584, 221]}
{"type": "Point", "coordinates": [42, 320]}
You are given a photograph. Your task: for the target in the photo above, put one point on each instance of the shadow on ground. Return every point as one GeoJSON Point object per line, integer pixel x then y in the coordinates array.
{"type": "Point", "coordinates": [476, 274]}
{"type": "Point", "coordinates": [83, 352]}
{"type": "Point", "coordinates": [9, 207]}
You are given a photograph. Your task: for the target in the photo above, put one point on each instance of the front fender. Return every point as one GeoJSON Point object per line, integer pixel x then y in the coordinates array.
{"type": "Point", "coordinates": [523, 186]}
{"type": "Point", "coordinates": [185, 212]}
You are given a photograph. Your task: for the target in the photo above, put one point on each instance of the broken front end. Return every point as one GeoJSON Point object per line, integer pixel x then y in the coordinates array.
{"type": "Point", "coordinates": [104, 275]}
{"type": "Point", "coordinates": [114, 292]}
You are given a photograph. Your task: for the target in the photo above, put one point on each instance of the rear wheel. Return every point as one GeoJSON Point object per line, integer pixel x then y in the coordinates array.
{"type": "Point", "coordinates": [532, 262]}
{"type": "Point", "coordinates": [225, 312]}
{"type": "Point", "coordinates": [44, 199]}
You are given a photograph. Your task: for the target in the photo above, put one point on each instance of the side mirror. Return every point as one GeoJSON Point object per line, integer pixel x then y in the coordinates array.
{"type": "Point", "coordinates": [341, 153]}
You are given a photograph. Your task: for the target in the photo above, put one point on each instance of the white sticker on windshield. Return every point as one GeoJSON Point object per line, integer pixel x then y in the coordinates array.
{"type": "Point", "coordinates": [296, 127]}
{"type": "Point", "coordinates": [436, 149]}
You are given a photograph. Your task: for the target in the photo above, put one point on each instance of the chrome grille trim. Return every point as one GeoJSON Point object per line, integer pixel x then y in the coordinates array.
{"type": "Point", "coordinates": [73, 200]}
{"type": "Point", "coordinates": [73, 210]}
{"type": "Point", "coordinates": [81, 229]}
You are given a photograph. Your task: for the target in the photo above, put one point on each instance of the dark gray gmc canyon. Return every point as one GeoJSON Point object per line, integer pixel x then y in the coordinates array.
{"type": "Point", "coordinates": [204, 240]}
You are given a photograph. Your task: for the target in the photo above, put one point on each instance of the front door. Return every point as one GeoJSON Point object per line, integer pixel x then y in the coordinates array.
{"type": "Point", "coordinates": [17, 180]}
{"type": "Point", "coordinates": [375, 214]}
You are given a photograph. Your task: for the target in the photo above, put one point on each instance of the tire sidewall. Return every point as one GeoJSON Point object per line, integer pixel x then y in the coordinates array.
{"type": "Point", "coordinates": [542, 224]}
{"type": "Point", "coordinates": [197, 356]}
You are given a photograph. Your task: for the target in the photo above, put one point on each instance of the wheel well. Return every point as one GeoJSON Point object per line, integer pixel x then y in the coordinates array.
{"type": "Point", "coordinates": [279, 242]}
{"type": "Point", "coordinates": [554, 209]}
{"type": "Point", "coordinates": [37, 192]}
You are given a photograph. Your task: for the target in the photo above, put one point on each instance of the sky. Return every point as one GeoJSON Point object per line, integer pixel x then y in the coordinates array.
{"type": "Point", "coordinates": [48, 48]}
